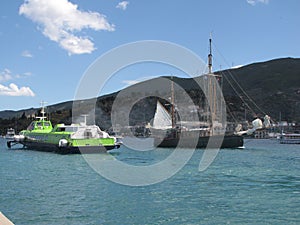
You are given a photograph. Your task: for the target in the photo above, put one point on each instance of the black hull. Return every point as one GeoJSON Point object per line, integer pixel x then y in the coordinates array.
{"type": "Point", "coordinates": [229, 141]}
{"type": "Point", "coordinates": [46, 147]}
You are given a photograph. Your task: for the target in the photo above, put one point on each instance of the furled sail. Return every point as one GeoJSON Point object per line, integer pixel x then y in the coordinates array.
{"type": "Point", "coordinates": [162, 118]}
{"type": "Point", "coordinates": [257, 124]}
{"type": "Point", "coordinates": [267, 122]}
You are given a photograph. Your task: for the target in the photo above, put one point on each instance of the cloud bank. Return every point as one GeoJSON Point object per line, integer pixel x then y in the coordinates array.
{"type": "Point", "coordinates": [61, 21]}
{"type": "Point", "coordinates": [14, 90]}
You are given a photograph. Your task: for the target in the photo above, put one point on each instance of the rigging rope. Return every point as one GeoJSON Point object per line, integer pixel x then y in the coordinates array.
{"type": "Point", "coordinates": [241, 89]}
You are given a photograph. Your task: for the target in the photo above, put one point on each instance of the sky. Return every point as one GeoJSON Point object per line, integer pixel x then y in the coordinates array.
{"type": "Point", "coordinates": [47, 46]}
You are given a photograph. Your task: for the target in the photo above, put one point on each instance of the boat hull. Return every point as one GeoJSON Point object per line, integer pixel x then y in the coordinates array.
{"type": "Point", "coordinates": [48, 147]}
{"type": "Point", "coordinates": [290, 139]}
{"type": "Point", "coordinates": [229, 141]}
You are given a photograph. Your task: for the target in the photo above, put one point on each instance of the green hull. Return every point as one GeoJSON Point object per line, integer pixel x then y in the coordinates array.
{"type": "Point", "coordinates": [61, 142]}
{"type": "Point", "coordinates": [65, 139]}
{"type": "Point", "coordinates": [48, 147]}
{"type": "Point", "coordinates": [55, 137]}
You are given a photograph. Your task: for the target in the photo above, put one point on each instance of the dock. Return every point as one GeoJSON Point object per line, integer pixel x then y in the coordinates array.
{"type": "Point", "coordinates": [4, 220]}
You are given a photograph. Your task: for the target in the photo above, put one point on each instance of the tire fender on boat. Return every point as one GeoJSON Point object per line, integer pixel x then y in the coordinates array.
{"type": "Point", "coordinates": [62, 143]}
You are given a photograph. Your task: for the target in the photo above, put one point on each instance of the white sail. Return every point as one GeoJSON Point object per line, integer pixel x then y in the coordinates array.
{"type": "Point", "coordinates": [162, 118]}
{"type": "Point", "coordinates": [257, 124]}
{"type": "Point", "coordinates": [267, 122]}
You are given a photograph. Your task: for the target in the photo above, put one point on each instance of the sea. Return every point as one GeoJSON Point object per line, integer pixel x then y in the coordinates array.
{"type": "Point", "coordinates": [259, 184]}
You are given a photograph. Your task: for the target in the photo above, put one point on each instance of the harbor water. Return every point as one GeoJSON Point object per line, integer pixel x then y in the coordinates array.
{"type": "Point", "coordinates": [256, 185]}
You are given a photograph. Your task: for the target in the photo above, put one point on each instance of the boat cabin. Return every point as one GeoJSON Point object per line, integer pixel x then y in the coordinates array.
{"type": "Point", "coordinates": [40, 125]}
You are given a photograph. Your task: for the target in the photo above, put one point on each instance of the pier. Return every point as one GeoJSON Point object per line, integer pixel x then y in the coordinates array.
{"type": "Point", "coordinates": [4, 220]}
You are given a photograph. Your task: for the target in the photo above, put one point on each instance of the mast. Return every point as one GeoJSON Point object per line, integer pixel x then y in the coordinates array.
{"type": "Point", "coordinates": [43, 117]}
{"type": "Point", "coordinates": [213, 80]}
{"type": "Point", "coordinates": [210, 58]}
{"type": "Point", "coordinates": [210, 88]}
{"type": "Point", "coordinates": [172, 103]}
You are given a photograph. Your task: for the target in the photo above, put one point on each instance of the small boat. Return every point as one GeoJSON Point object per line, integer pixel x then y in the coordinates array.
{"type": "Point", "coordinates": [64, 139]}
{"type": "Point", "coordinates": [10, 134]}
{"type": "Point", "coordinates": [289, 138]}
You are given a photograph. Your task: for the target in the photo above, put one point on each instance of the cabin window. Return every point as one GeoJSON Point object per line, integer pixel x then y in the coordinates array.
{"type": "Point", "coordinates": [31, 126]}
{"type": "Point", "coordinates": [88, 134]}
{"type": "Point", "coordinates": [39, 125]}
{"type": "Point", "coordinates": [47, 124]}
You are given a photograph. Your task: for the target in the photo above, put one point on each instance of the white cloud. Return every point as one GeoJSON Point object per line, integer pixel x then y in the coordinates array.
{"type": "Point", "coordinates": [5, 75]}
{"type": "Point", "coordinates": [254, 2]}
{"type": "Point", "coordinates": [236, 67]}
{"type": "Point", "coordinates": [130, 82]}
{"type": "Point", "coordinates": [27, 74]}
{"type": "Point", "coordinates": [27, 54]}
{"type": "Point", "coordinates": [122, 5]}
{"type": "Point", "coordinates": [77, 45]}
{"type": "Point", "coordinates": [61, 21]}
{"type": "Point", "coordinates": [141, 79]}
{"type": "Point", "coordinates": [14, 90]}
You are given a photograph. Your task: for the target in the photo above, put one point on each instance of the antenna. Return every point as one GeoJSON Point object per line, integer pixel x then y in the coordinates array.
{"type": "Point", "coordinates": [42, 111]}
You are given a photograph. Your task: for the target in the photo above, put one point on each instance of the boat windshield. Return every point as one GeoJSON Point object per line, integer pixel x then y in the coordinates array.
{"type": "Point", "coordinates": [31, 126]}
{"type": "Point", "coordinates": [42, 124]}
{"type": "Point", "coordinates": [39, 125]}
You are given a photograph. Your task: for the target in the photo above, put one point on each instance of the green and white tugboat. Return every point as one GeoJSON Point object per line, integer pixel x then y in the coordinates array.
{"type": "Point", "coordinates": [64, 139]}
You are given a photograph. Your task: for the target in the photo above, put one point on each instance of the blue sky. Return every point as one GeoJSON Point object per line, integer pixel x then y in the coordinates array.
{"type": "Point", "coordinates": [46, 46]}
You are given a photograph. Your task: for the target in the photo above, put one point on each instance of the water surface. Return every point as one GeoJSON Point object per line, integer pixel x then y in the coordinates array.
{"type": "Point", "coordinates": [257, 185]}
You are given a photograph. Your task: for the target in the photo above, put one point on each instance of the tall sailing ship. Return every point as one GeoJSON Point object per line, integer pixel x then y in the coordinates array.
{"type": "Point", "coordinates": [210, 133]}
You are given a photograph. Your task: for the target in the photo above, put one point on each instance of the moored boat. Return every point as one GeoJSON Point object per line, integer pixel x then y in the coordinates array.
{"type": "Point", "coordinates": [10, 134]}
{"type": "Point", "coordinates": [289, 138]}
{"type": "Point", "coordinates": [171, 130]}
{"type": "Point", "coordinates": [191, 139]}
{"type": "Point", "coordinates": [64, 139]}
{"type": "Point", "coordinates": [210, 133]}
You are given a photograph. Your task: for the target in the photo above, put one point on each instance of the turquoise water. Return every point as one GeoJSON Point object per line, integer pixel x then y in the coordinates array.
{"type": "Point", "coordinates": [257, 185]}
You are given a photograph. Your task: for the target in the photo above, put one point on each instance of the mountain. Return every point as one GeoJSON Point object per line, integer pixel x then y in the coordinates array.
{"type": "Point", "coordinates": [274, 86]}
{"type": "Point", "coordinates": [271, 87]}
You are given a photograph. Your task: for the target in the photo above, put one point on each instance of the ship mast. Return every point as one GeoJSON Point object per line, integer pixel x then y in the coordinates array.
{"type": "Point", "coordinates": [172, 103]}
{"type": "Point", "coordinates": [211, 89]}
{"type": "Point", "coordinates": [209, 58]}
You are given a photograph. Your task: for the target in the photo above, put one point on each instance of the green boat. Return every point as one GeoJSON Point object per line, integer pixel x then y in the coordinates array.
{"type": "Point", "coordinates": [40, 135]}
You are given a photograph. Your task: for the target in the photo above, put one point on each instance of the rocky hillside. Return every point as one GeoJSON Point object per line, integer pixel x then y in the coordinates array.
{"type": "Point", "coordinates": [274, 86]}
{"type": "Point", "coordinates": [271, 87]}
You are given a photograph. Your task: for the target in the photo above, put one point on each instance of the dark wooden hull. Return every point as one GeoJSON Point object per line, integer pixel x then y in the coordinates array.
{"type": "Point", "coordinates": [46, 147]}
{"type": "Point", "coordinates": [229, 141]}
